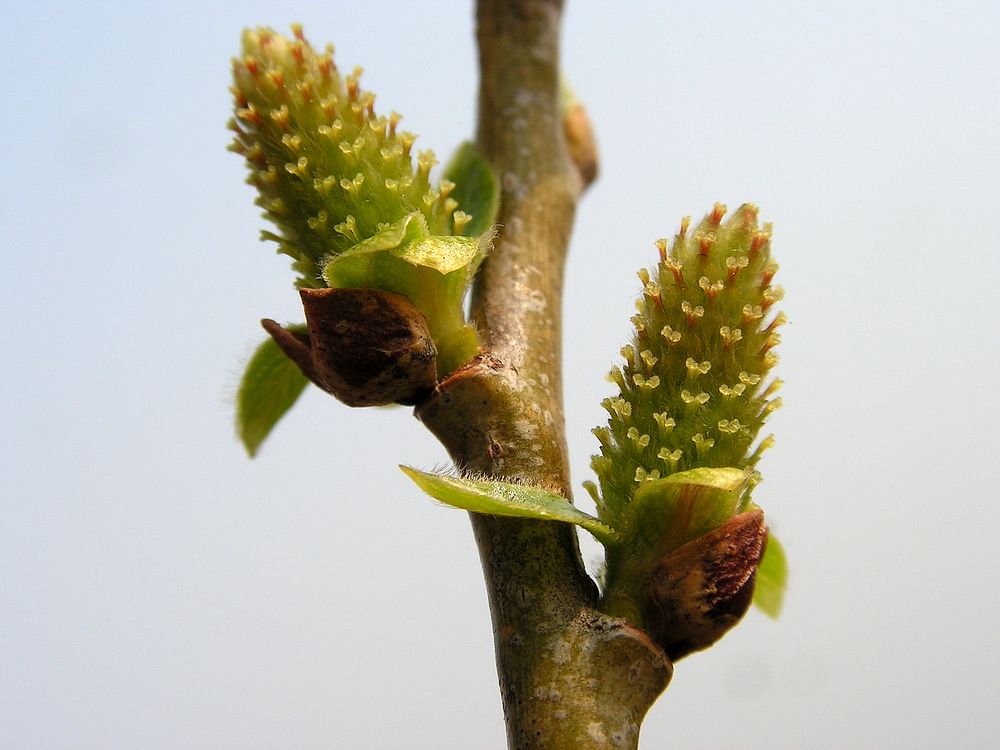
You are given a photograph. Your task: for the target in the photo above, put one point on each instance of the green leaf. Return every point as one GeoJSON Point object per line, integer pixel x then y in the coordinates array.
{"type": "Point", "coordinates": [270, 385]}
{"type": "Point", "coordinates": [772, 578]}
{"type": "Point", "coordinates": [476, 188]}
{"type": "Point", "coordinates": [507, 499]}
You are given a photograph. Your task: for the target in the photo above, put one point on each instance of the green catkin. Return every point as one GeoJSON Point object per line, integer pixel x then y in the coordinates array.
{"type": "Point", "coordinates": [330, 171]}
{"type": "Point", "coordinates": [694, 385]}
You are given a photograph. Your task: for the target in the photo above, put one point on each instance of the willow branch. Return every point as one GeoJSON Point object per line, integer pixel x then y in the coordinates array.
{"type": "Point", "coordinates": [570, 676]}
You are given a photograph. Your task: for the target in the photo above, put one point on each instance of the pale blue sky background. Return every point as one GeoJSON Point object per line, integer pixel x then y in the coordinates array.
{"type": "Point", "coordinates": [158, 590]}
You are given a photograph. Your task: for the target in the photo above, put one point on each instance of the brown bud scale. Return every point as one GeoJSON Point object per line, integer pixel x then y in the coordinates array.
{"type": "Point", "coordinates": [365, 346]}
{"type": "Point", "coordinates": [703, 588]}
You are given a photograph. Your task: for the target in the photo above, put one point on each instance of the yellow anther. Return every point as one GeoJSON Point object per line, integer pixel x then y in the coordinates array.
{"type": "Point", "coordinates": [298, 168]}
{"type": "Point", "coordinates": [765, 444]}
{"type": "Point", "coordinates": [661, 246]}
{"type": "Point", "coordinates": [772, 295]}
{"type": "Point", "coordinates": [268, 176]}
{"type": "Point", "coordinates": [394, 118]}
{"type": "Point", "coordinates": [665, 422]}
{"type": "Point", "coordinates": [693, 399]}
{"type": "Point", "coordinates": [705, 241]}
{"type": "Point", "coordinates": [280, 116]}
{"type": "Point", "coordinates": [702, 444]}
{"type": "Point", "coordinates": [670, 335]}
{"type": "Point", "coordinates": [621, 406]}
{"type": "Point", "coordinates": [670, 456]}
{"type": "Point", "coordinates": [692, 313]}
{"type": "Point", "coordinates": [641, 440]}
{"type": "Point", "coordinates": [641, 475]}
{"type": "Point", "coordinates": [461, 219]}
{"type": "Point", "coordinates": [768, 273]}
{"type": "Point", "coordinates": [329, 106]}
{"type": "Point", "coordinates": [732, 391]}
{"type": "Point", "coordinates": [718, 211]}
{"type": "Point", "coordinates": [331, 131]}
{"type": "Point", "coordinates": [378, 126]}
{"type": "Point", "coordinates": [730, 335]}
{"type": "Point", "coordinates": [349, 229]}
{"type": "Point", "coordinates": [711, 288]}
{"type": "Point", "coordinates": [697, 368]}
{"type": "Point", "coordinates": [675, 267]}
{"type": "Point", "coordinates": [736, 262]}
{"type": "Point", "coordinates": [779, 320]}
{"type": "Point", "coordinates": [317, 222]}
{"type": "Point", "coordinates": [323, 186]}
{"type": "Point", "coordinates": [276, 78]}
{"type": "Point", "coordinates": [730, 427]}
{"type": "Point", "coordinates": [426, 160]}
{"type": "Point", "coordinates": [772, 388]}
{"type": "Point", "coordinates": [391, 154]}
{"type": "Point", "coordinates": [406, 140]}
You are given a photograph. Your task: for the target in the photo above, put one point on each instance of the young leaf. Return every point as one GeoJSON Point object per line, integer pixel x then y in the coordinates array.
{"type": "Point", "coordinates": [270, 385]}
{"type": "Point", "coordinates": [772, 576]}
{"type": "Point", "coordinates": [476, 188]}
{"type": "Point", "coordinates": [507, 499]}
